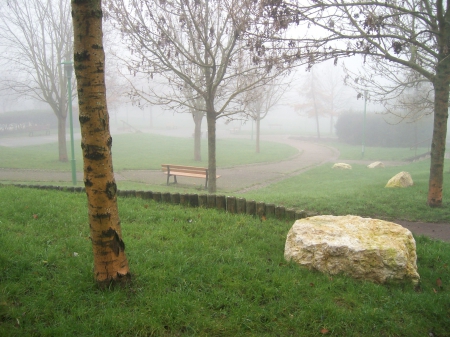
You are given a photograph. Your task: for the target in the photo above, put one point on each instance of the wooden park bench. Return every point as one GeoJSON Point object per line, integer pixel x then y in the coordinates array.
{"type": "Point", "coordinates": [32, 130]}
{"type": "Point", "coordinates": [185, 171]}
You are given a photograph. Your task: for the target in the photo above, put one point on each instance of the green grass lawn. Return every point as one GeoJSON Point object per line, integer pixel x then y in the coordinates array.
{"type": "Point", "coordinates": [146, 151]}
{"type": "Point", "coordinates": [359, 191]}
{"type": "Point", "coordinates": [195, 272]}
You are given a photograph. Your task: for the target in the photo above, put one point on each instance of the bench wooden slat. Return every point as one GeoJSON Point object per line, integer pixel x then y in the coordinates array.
{"type": "Point", "coordinates": [185, 171]}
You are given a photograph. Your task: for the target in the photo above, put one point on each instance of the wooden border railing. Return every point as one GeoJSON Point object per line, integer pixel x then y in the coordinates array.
{"type": "Point", "coordinates": [230, 204]}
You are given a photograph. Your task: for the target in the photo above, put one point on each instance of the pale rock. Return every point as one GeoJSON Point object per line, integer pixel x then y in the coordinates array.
{"type": "Point", "coordinates": [342, 166]}
{"type": "Point", "coordinates": [402, 179]}
{"type": "Point", "coordinates": [362, 248]}
{"type": "Point", "coordinates": [376, 164]}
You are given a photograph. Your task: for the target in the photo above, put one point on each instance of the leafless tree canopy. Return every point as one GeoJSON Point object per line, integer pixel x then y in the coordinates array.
{"type": "Point", "coordinates": [36, 36]}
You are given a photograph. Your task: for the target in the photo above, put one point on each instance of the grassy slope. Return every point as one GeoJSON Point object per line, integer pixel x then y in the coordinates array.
{"type": "Point", "coordinates": [146, 151]}
{"type": "Point", "coordinates": [358, 191]}
{"type": "Point", "coordinates": [196, 272]}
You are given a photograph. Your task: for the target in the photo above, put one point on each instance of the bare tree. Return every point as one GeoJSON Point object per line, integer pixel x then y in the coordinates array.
{"type": "Point", "coordinates": [260, 100]}
{"type": "Point", "coordinates": [403, 92]}
{"type": "Point", "coordinates": [312, 95]}
{"type": "Point", "coordinates": [202, 45]}
{"type": "Point", "coordinates": [110, 262]}
{"type": "Point", "coordinates": [411, 34]}
{"type": "Point", "coordinates": [37, 37]}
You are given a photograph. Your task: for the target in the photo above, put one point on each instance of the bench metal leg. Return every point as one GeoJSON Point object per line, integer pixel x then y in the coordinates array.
{"type": "Point", "coordinates": [174, 179]}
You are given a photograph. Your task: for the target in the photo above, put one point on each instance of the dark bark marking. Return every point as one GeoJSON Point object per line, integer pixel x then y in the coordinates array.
{"type": "Point", "coordinates": [88, 183]}
{"type": "Point", "coordinates": [117, 245]}
{"type": "Point", "coordinates": [81, 57]}
{"type": "Point", "coordinates": [97, 46]}
{"type": "Point", "coordinates": [111, 190]}
{"type": "Point", "coordinates": [102, 216]}
{"type": "Point", "coordinates": [109, 142]}
{"type": "Point", "coordinates": [93, 152]}
{"type": "Point", "coordinates": [84, 119]}
{"type": "Point", "coordinates": [89, 169]}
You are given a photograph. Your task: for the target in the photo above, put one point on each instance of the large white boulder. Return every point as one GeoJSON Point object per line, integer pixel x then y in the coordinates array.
{"type": "Point", "coordinates": [362, 248]}
{"type": "Point", "coordinates": [402, 179]}
{"type": "Point", "coordinates": [376, 164]}
{"type": "Point", "coordinates": [342, 166]}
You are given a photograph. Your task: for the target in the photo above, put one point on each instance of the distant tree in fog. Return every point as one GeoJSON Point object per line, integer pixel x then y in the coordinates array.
{"type": "Point", "coordinates": [36, 37]}
{"type": "Point", "coordinates": [321, 93]}
{"type": "Point", "coordinates": [260, 100]}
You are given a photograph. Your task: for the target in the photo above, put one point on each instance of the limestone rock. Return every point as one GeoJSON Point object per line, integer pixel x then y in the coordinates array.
{"type": "Point", "coordinates": [402, 179]}
{"type": "Point", "coordinates": [342, 166]}
{"type": "Point", "coordinates": [362, 248]}
{"type": "Point", "coordinates": [376, 164]}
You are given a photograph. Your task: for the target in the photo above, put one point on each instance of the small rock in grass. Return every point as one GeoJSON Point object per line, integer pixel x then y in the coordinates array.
{"type": "Point", "coordinates": [402, 179]}
{"type": "Point", "coordinates": [377, 164]}
{"type": "Point", "coordinates": [342, 166]}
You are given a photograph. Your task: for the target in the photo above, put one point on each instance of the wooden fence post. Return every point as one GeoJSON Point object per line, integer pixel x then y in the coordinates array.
{"type": "Point", "coordinates": [193, 200]}
{"type": "Point", "coordinates": [270, 210]}
{"type": "Point", "coordinates": [280, 212]}
{"type": "Point", "coordinates": [175, 198]}
{"type": "Point", "coordinates": [250, 207]}
{"type": "Point", "coordinates": [260, 209]}
{"type": "Point", "coordinates": [240, 205]}
{"type": "Point", "coordinates": [211, 200]}
{"type": "Point", "coordinates": [203, 200]}
{"type": "Point", "coordinates": [157, 196]}
{"type": "Point", "coordinates": [220, 202]}
{"type": "Point", "coordinates": [231, 205]}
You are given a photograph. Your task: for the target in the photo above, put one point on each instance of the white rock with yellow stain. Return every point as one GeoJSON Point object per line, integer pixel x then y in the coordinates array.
{"type": "Point", "coordinates": [342, 166]}
{"type": "Point", "coordinates": [362, 248]}
{"type": "Point", "coordinates": [402, 179]}
{"type": "Point", "coordinates": [376, 164]}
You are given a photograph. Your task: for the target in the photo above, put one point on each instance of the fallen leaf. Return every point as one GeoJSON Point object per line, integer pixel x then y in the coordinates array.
{"type": "Point", "coordinates": [35, 216]}
{"type": "Point", "coordinates": [435, 291]}
{"type": "Point", "coordinates": [439, 282]}
{"type": "Point", "coordinates": [324, 331]}
{"type": "Point", "coordinates": [311, 284]}
{"type": "Point", "coordinates": [263, 218]}
{"type": "Point", "coordinates": [145, 206]}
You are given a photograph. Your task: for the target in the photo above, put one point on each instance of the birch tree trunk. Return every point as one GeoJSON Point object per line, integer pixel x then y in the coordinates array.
{"type": "Point", "coordinates": [110, 262]}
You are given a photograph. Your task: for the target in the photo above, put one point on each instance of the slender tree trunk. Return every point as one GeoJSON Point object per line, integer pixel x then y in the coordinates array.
{"type": "Point", "coordinates": [317, 122]}
{"type": "Point", "coordinates": [211, 121]}
{"type": "Point", "coordinates": [258, 130]}
{"type": "Point", "coordinates": [331, 124]}
{"type": "Point", "coordinates": [62, 146]}
{"type": "Point", "coordinates": [198, 117]}
{"type": "Point", "coordinates": [110, 262]}
{"type": "Point", "coordinates": [441, 94]}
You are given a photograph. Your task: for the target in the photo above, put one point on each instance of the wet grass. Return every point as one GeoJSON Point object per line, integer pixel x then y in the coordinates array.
{"type": "Point", "coordinates": [359, 191]}
{"type": "Point", "coordinates": [147, 151]}
{"type": "Point", "coordinates": [196, 273]}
